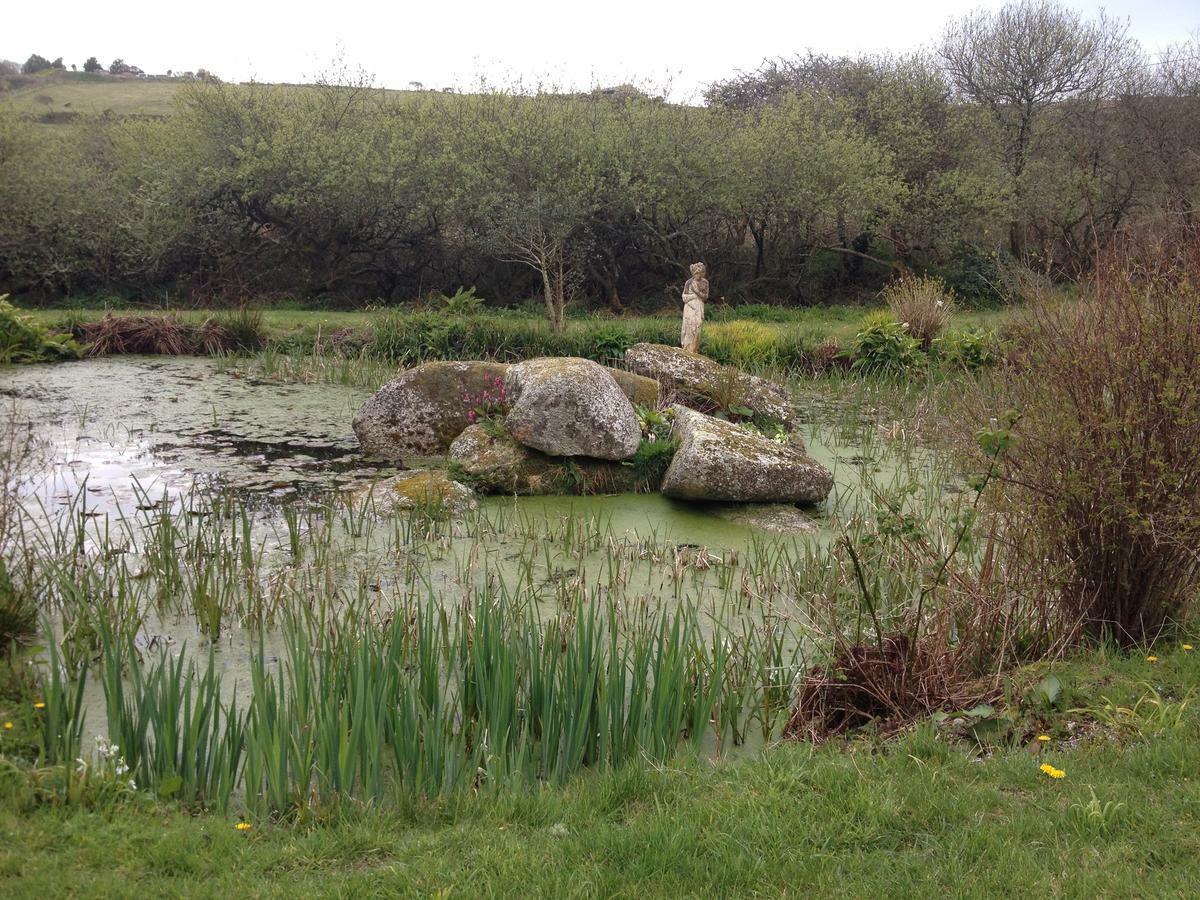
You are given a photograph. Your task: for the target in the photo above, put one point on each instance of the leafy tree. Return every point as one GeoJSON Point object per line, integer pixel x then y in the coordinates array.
{"type": "Point", "coordinates": [35, 64]}
{"type": "Point", "coordinates": [92, 65]}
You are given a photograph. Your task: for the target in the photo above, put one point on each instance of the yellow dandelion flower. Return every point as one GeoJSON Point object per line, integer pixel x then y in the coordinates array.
{"type": "Point", "coordinates": [39, 705]}
{"type": "Point", "coordinates": [8, 726]}
{"type": "Point", "coordinates": [1188, 648]}
{"type": "Point", "coordinates": [1151, 659]}
{"type": "Point", "coordinates": [1043, 738]}
{"type": "Point", "coordinates": [243, 826]}
{"type": "Point", "coordinates": [1051, 771]}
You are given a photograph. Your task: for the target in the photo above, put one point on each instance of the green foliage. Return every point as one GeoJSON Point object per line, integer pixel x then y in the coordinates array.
{"type": "Point", "coordinates": [463, 302]}
{"type": "Point", "coordinates": [884, 347]}
{"type": "Point", "coordinates": [22, 340]}
{"type": "Point", "coordinates": [18, 612]}
{"type": "Point", "coordinates": [651, 460]}
{"type": "Point", "coordinates": [971, 348]}
{"type": "Point", "coordinates": [975, 278]}
{"type": "Point", "coordinates": [608, 342]}
{"type": "Point", "coordinates": [244, 328]}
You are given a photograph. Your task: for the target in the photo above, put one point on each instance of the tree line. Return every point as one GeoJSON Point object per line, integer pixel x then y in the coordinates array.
{"type": "Point", "coordinates": [1029, 136]}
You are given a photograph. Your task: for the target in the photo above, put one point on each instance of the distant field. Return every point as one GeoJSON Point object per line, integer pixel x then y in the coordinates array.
{"type": "Point", "coordinates": [91, 95]}
{"type": "Point", "coordinates": [87, 94]}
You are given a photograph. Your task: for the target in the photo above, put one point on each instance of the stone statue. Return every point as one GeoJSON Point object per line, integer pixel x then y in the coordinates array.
{"type": "Point", "coordinates": [695, 292]}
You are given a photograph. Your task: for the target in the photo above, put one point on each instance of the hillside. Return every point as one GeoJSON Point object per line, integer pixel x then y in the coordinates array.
{"type": "Point", "coordinates": [56, 93]}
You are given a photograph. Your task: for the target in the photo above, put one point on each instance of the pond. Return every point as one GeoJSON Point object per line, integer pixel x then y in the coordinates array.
{"type": "Point", "coordinates": [190, 505]}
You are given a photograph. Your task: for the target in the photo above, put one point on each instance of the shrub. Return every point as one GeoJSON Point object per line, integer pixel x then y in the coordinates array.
{"type": "Point", "coordinates": [884, 347]}
{"type": "Point", "coordinates": [1102, 498]}
{"type": "Point", "coordinates": [463, 302]}
{"type": "Point", "coordinates": [607, 342]}
{"type": "Point", "coordinates": [922, 303]}
{"type": "Point", "coordinates": [22, 340]}
{"type": "Point", "coordinates": [972, 348]}
{"type": "Point", "coordinates": [975, 278]}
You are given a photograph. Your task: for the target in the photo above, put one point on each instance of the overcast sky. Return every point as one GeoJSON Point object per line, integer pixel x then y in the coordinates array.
{"type": "Point", "coordinates": [450, 43]}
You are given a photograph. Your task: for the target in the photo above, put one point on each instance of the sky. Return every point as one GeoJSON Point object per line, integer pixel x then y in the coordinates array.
{"type": "Point", "coordinates": [675, 47]}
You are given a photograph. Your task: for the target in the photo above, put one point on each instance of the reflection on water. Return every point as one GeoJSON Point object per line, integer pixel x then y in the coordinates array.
{"type": "Point", "coordinates": [136, 427]}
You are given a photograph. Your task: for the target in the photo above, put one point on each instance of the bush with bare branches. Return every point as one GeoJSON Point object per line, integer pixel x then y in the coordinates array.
{"type": "Point", "coordinates": [1101, 495]}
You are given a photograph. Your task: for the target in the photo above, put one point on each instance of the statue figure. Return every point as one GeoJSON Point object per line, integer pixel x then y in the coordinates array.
{"type": "Point", "coordinates": [695, 292]}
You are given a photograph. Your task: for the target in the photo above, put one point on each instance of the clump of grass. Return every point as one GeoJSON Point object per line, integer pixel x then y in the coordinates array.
{"type": "Point", "coordinates": [922, 303]}
{"type": "Point", "coordinates": [744, 343]}
{"type": "Point", "coordinates": [651, 461]}
{"type": "Point", "coordinates": [18, 612]}
{"type": "Point", "coordinates": [115, 334]}
{"type": "Point", "coordinates": [241, 330]}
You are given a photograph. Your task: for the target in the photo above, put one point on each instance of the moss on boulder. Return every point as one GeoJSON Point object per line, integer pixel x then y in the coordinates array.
{"type": "Point", "coordinates": [494, 463]}
{"type": "Point", "coordinates": [429, 489]}
{"type": "Point", "coordinates": [698, 381]}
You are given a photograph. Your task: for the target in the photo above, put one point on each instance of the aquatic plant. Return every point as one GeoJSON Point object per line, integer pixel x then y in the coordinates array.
{"type": "Point", "coordinates": [22, 340]}
{"type": "Point", "coordinates": [884, 347]}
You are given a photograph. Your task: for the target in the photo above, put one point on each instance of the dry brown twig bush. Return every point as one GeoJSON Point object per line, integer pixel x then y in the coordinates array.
{"type": "Point", "coordinates": [922, 303]}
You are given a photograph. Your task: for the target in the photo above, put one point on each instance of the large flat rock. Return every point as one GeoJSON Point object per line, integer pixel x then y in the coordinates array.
{"type": "Point", "coordinates": [718, 460]}
{"type": "Point", "coordinates": [698, 381]}
{"type": "Point", "coordinates": [493, 463]}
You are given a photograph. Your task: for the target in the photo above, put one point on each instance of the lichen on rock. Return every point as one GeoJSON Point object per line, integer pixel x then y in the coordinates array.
{"type": "Point", "coordinates": [568, 406]}
{"type": "Point", "coordinates": [718, 460]}
{"type": "Point", "coordinates": [420, 412]}
{"type": "Point", "coordinates": [698, 381]}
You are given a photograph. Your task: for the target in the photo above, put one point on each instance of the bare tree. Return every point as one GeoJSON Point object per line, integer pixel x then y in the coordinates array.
{"type": "Point", "coordinates": [1031, 58]}
{"type": "Point", "coordinates": [542, 240]}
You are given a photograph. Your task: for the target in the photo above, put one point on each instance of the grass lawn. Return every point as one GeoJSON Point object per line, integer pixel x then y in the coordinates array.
{"type": "Point", "coordinates": [920, 816]}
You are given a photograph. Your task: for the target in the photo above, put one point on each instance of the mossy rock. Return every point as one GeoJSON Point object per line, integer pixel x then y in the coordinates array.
{"type": "Point", "coordinates": [702, 383]}
{"type": "Point", "coordinates": [493, 462]}
{"type": "Point", "coordinates": [432, 490]}
{"type": "Point", "coordinates": [718, 460]}
{"type": "Point", "coordinates": [421, 412]}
